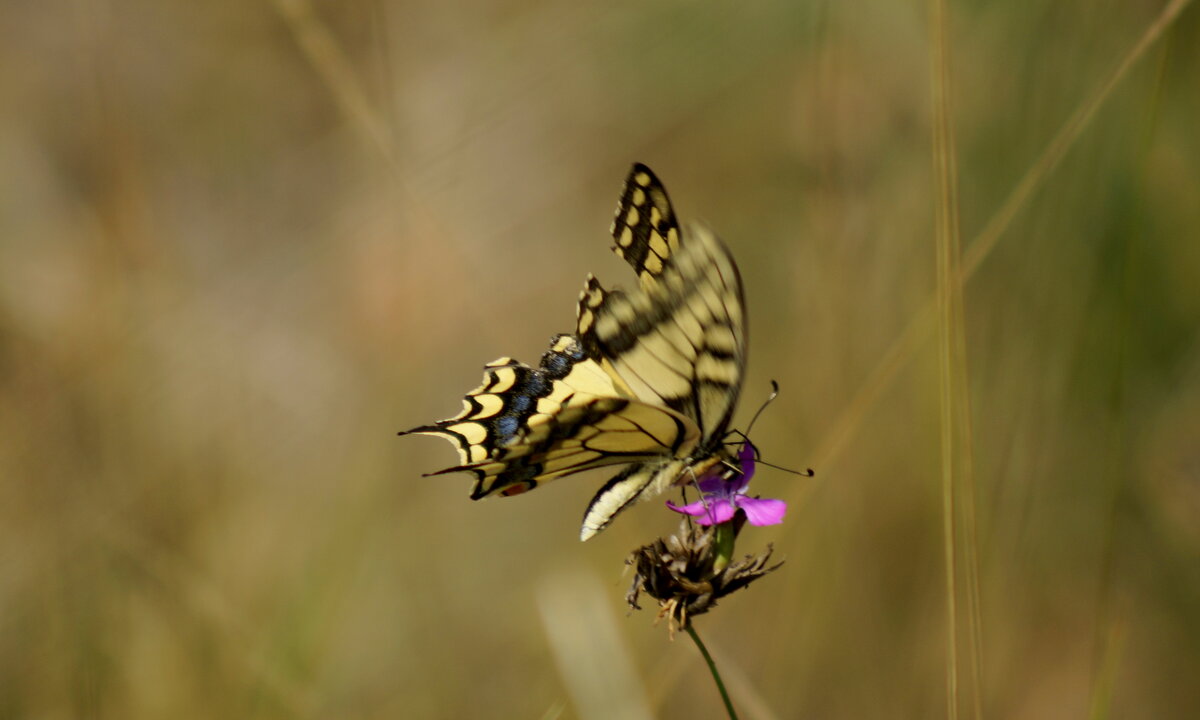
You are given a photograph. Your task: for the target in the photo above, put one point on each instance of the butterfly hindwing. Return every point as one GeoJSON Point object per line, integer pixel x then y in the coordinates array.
{"type": "Point", "coordinates": [525, 426]}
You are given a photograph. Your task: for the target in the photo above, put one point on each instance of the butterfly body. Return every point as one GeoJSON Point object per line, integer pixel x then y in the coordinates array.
{"type": "Point", "coordinates": [649, 379]}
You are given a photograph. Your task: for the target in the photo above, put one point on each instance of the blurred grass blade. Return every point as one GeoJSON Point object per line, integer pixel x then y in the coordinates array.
{"type": "Point", "coordinates": [750, 701]}
{"type": "Point", "coordinates": [1101, 701]}
{"type": "Point", "coordinates": [1064, 140]}
{"type": "Point", "coordinates": [593, 662]}
{"type": "Point", "coordinates": [949, 297]}
{"type": "Point", "coordinates": [330, 62]}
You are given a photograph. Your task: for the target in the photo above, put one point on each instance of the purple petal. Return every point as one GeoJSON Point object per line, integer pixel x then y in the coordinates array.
{"type": "Point", "coordinates": [716, 485]}
{"type": "Point", "coordinates": [696, 508]}
{"type": "Point", "coordinates": [746, 457]}
{"type": "Point", "coordinates": [720, 511]}
{"type": "Point", "coordinates": [715, 512]}
{"type": "Point", "coordinates": [761, 511]}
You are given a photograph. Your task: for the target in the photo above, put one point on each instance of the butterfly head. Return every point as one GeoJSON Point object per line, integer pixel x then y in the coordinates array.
{"type": "Point", "coordinates": [736, 462]}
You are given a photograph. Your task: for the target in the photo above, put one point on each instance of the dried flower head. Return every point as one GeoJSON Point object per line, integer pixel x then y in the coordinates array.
{"type": "Point", "coordinates": [681, 572]}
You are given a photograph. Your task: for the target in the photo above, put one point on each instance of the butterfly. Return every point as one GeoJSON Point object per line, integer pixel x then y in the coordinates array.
{"type": "Point", "coordinates": [648, 380]}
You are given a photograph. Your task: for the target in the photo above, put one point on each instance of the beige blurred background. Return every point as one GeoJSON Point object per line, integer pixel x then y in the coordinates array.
{"type": "Point", "coordinates": [244, 243]}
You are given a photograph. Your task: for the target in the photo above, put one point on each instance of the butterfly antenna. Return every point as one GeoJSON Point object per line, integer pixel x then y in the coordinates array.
{"type": "Point", "coordinates": [774, 394]}
{"type": "Point", "coordinates": [807, 472]}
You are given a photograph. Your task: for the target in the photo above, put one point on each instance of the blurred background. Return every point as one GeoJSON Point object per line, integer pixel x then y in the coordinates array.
{"type": "Point", "coordinates": [244, 243]}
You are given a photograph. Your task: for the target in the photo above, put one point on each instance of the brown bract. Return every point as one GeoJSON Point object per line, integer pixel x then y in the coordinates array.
{"type": "Point", "coordinates": [678, 572]}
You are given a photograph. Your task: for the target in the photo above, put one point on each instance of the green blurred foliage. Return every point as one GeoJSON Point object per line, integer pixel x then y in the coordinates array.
{"type": "Point", "coordinates": [242, 244]}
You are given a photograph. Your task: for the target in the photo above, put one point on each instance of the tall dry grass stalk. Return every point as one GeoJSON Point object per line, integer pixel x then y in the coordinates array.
{"type": "Point", "coordinates": [954, 402]}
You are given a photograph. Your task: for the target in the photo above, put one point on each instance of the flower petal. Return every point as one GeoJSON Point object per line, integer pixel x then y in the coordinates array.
{"type": "Point", "coordinates": [716, 485]}
{"type": "Point", "coordinates": [696, 508]}
{"type": "Point", "coordinates": [720, 511]}
{"type": "Point", "coordinates": [712, 511]}
{"type": "Point", "coordinates": [762, 511]}
{"type": "Point", "coordinates": [747, 457]}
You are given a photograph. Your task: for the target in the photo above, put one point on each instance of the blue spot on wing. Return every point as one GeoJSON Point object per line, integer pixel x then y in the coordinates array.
{"type": "Point", "coordinates": [506, 427]}
{"type": "Point", "coordinates": [557, 365]}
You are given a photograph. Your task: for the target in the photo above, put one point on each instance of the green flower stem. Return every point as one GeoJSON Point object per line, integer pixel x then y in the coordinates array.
{"type": "Point", "coordinates": [712, 667]}
{"type": "Point", "coordinates": [723, 546]}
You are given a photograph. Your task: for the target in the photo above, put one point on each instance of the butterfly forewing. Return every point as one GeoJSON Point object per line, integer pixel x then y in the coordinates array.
{"type": "Point", "coordinates": [679, 341]}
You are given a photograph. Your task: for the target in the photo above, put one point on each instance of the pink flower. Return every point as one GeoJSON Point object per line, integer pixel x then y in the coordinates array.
{"type": "Point", "coordinates": [721, 498]}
